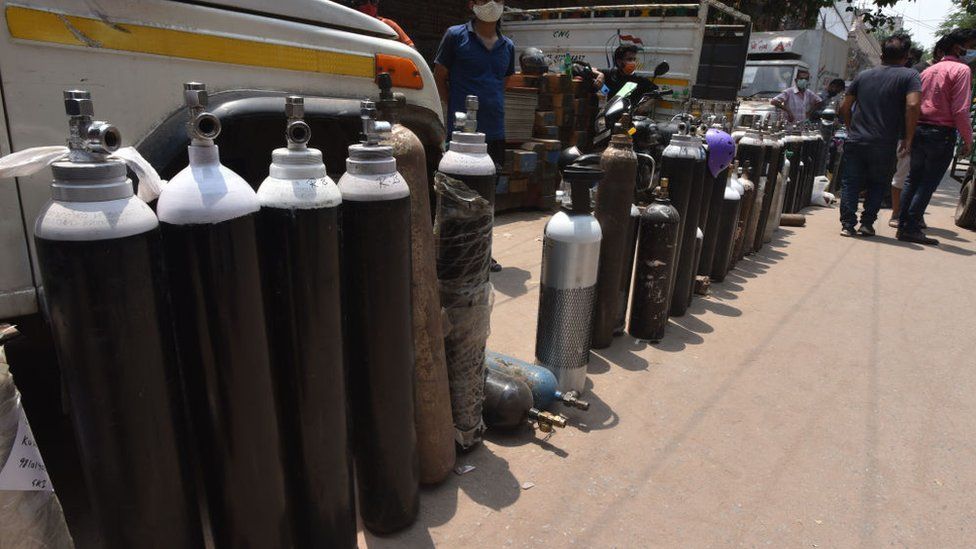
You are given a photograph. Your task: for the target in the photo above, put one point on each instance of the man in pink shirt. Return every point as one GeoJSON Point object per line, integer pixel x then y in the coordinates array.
{"type": "Point", "coordinates": [946, 98]}
{"type": "Point", "coordinates": [797, 101]}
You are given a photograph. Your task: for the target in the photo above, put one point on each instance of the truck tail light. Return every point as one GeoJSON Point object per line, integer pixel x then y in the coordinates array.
{"type": "Point", "coordinates": [403, 71]}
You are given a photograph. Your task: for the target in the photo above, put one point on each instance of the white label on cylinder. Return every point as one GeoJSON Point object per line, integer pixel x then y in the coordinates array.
{"type": "Point", "coordinates": [25, 470]}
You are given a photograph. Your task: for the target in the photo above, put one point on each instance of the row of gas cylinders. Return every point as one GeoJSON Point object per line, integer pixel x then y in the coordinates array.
{"type": "Point", "coordinates": [618, 266]}
{"type": "Point", "coordinates": [256, 362]}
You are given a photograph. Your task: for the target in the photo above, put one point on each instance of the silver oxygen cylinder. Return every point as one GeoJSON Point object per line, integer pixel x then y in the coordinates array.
{"type": "Point", "coordinates": [100, 257]}
{"type": "Point", "coordinates": [570, 260]}
{"type": "Point", "coordinates": [207, 215]}
{"type": "Point", "coordinates": [298, 235]}
{"type": "Point", "coordinates": [379, 355]}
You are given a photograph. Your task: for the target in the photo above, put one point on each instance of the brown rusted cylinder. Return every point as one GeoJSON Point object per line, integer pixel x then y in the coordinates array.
{"type": "Point", "coordinates": [792, 220]}
{"type": "Point", "coordinates": [614, 196]}
{"type": "Point", "coordinates": [432, 411]}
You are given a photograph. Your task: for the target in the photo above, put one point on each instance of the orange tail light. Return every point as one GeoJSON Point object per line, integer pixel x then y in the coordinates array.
{"type": "Point", "coordinates": [403, 71]}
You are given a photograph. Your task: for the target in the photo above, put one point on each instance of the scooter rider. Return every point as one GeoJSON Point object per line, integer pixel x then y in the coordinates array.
{"type": "Point", "coordinates": [625, 64]}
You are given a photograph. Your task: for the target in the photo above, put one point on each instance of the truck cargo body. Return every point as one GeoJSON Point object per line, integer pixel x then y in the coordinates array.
{"type": "Point", "coordinates": [703, 42]}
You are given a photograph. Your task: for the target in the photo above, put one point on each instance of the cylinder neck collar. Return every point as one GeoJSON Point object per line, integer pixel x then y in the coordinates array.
{"type": "Point", "coordinates": [90, 181]}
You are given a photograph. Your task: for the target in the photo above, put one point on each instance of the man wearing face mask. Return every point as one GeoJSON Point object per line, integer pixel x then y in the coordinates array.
{"type": "Point", "coordinates": [946, 98]}
{"type": "Point", "coordinates": [624, 66]}
{"type": "Point", "coordinates": [477, 59]}
{"type": "Point", "coordinates": [797, 102]}
{"type": "Point", "coordinates": [372, 7]}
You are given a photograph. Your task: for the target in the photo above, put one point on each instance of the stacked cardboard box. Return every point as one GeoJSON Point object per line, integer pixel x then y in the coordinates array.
{"type": "Point", "coordinates": [564, 114]}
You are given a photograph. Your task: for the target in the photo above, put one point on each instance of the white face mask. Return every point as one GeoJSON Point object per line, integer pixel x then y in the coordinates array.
{"type": "Point", "coordinates": [489, 12]}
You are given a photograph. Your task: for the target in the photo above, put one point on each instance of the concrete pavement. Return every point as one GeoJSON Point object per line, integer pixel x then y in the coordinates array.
{"type": "Point", "coordinates": [824, 395]}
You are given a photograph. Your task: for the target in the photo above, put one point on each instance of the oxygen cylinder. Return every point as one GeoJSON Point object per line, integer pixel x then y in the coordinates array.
{"type": "Point", "coordinates": [774, 158]}
{"type": "Point", "coordinates": [379, 340]}
{"type": "Point", "coordinates": [712, 224]}
{"type": "Point", "coordinates": [727, 223]}
{"type": "Point", "coordinates": [793, 143]}
{"type": "Point", "coordinates": [752, 226]}
{"type": "Point", "coordinates": [298, 236]}
{"type": "Point", "coordinates": [100, 257]}
{"type": "Point", "coordinates": [463, 238]}
{"type": "Point", "coordinates": [508, 405]}
{"type": "Point", "coordinates": [626, 278]}
{"type": "Point", "coordinates": [207, 214]}
{"type": "Point", "coordinates": [570, 256]}
{"type": "Point", "coordinates": [432, 396]}
{"type": "Point", "coordinates": [657, 251]}
{"type": "Point", "coordinates": [812, 141]}
{"type": "Point", "coordinates": [614, 197]}
{"type": "Point", "coordinates": [746, 202]}
{"type": "Point", "coordinates": [779, 200]}
{"type": "Point", "coordinates": [539, 380]}
{"type": "Point", "coordinates": [683, 163]}
{"type": "Point", "coordinates": [467, 157]}
{"type": "Point", "coordinates": [751, 154]}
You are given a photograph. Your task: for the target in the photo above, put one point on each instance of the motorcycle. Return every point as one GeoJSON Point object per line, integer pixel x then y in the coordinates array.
{"type": "Point", "coordinates": [649, 137]}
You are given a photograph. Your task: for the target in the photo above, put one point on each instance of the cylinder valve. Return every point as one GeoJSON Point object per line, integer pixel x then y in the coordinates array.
{"type": "Point", "coordinates": [203, 127]}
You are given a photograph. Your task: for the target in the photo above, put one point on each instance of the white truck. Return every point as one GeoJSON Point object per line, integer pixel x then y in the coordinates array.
{"type": "Point", "coordinates": [704, 42]}
{"type": "Point", "coordinates": [775, 57]}
{"type": "Point", "coordinates": [134, 55]}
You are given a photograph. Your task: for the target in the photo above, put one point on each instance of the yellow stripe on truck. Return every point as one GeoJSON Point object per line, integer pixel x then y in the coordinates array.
{"type": "Point", "coordinates": [47, 26]}
{"type": "Point", "coordinates": [683, 82]}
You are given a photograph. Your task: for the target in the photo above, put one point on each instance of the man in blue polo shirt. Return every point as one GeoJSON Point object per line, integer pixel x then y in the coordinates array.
{"type": "Point", "coordinates": [476, 59]}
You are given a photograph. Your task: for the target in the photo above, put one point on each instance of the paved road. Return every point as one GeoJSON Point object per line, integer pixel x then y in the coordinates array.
{"type": "Point", "coordinates": [823, 396]}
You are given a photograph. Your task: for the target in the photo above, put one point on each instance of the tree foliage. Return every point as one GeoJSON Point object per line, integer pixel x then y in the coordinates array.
{"type": "Point", "coordinates": [772, 15]}
{"type": "Point", "coordinates": [963, 16]}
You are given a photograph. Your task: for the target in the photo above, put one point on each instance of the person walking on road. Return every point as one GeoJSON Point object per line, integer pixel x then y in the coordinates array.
{"type": "Point", "coordinates": [946, 98]}
{"type": "Point", "coordinates": [887, 99]}
{"type": "Point", "coordinates": [797, 102]}
{"type": "Point", "coordinates": [904, 156]}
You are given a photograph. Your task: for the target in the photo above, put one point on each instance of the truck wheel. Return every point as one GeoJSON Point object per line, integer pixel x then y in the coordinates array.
{"type": "Point", "coordinates": [966, 209]}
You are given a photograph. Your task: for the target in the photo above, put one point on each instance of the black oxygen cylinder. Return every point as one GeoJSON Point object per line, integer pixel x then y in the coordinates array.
{"type": "Point", "coordinates": [727, 225]}
{"type": "Point", "coordinates": [794, 145]}
{"type": "Point", "coordinates": [774, 159]}
{"type": "Point", "coordinates": [208, 213]}
{"type": "Point", "coordinates": [657, 251]}
{"type": "Point", "coordinates": [712, 224]}
{"type": "Point", "coordinates": [466, 158]}
{"type": "Point", "coordinates": [751, 153]}
{"type": "Point", "coordinates": [509, 404]}
{"type": "Point", "coordinates": [298, 235]}
{"type": "Point", "coordinates": [379, 339]}
{"type": "Point", "coordinates": [100, 258]}
{"type": "Point", "coordinates": [685, 168]}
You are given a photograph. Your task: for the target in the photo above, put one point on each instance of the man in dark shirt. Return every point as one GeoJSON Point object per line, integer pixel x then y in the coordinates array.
{"type": "Point", "coordinates": [476, 59]}
{"type": "Point", "coordinates": [889, 112]}
{"type": "Point", "coordinates": [622, 72]}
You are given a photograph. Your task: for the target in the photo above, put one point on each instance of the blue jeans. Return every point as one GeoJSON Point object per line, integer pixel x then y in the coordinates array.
{"type": "Point", "coordinates": [932, 152]}
{"type": "Point", "coordinates": [869, 167]}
